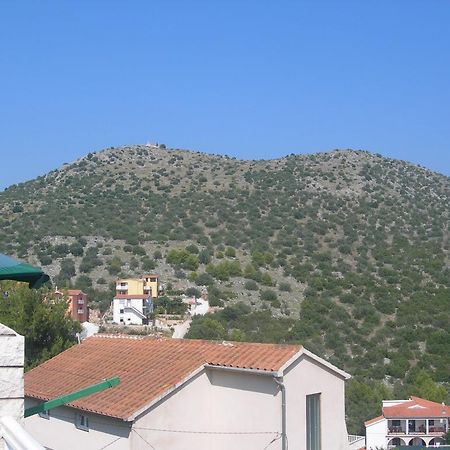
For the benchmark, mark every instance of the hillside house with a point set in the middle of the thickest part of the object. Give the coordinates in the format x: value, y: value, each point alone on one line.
x: 77, y: 304
x: 189, y: 394
x: 408, y: 422
x: 148, y: 285
x: 132, y: 309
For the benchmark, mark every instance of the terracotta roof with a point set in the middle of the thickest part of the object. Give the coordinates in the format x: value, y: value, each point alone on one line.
x: 374, y: 420
x: 148, y: 369
x: 416, y: 407
x: 132, y: 296
x: 75, y: 292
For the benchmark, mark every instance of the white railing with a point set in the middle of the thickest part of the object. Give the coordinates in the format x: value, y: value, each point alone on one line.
x: 353, y: 438
x: 15, y: 437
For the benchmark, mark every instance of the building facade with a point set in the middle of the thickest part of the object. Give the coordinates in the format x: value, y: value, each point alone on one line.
x: 132, y: 309
x: 77, y: 303
x: 415, y: 421
x: 146, y: 285
x: 184, y: 394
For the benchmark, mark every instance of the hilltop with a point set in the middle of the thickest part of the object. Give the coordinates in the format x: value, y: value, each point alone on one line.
x: 345, y: 251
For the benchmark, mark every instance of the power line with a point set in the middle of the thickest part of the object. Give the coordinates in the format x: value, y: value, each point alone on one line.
x: 112, y: 442
x: 165, y: 430
x: 272, y: 441
x: 148, y: 443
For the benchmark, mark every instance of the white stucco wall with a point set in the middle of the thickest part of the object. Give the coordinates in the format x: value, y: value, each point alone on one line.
x: 129, y: 317
x: 60, y: 433
x: 376, y: 435
x: 12, y: 351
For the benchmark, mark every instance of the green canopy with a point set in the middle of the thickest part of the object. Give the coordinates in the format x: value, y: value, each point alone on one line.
x: 10, y: 269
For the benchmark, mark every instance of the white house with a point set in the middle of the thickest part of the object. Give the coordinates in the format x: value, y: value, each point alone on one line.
x: 415, y: 421
x: 197, y: 306
x: 132, y: 309
x: 190, y: 394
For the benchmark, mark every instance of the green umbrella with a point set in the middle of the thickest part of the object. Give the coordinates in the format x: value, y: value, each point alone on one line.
x: 10, y: 269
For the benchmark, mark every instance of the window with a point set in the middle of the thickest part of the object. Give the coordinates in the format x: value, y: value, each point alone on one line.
x: 396, y: 423
x: 313, y: 431
x: 45, y: 414
x: 82, y: 422
x: 121, y: 311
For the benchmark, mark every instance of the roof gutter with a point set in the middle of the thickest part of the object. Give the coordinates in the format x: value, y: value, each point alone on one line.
x: 279, y: 381
x: 270, y: 373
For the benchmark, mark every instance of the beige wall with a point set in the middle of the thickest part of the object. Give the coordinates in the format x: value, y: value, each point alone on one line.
x: 306, y: 377
x: 215, y: 410
x: 60, y: 433
x: 215, y: 401
x: 225, y: 401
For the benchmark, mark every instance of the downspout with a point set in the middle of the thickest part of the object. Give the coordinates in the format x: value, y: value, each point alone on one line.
x: 279, y: 381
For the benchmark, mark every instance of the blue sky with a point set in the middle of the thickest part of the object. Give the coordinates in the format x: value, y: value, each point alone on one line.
x: 253, y: 79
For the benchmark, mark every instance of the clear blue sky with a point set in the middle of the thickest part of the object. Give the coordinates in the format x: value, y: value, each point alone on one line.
x: 253, y: 79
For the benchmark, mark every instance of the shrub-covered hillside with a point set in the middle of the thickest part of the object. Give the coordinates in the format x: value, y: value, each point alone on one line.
x: 345, y: 251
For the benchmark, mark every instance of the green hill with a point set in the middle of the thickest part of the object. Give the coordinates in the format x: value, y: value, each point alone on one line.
x: 345, y: 251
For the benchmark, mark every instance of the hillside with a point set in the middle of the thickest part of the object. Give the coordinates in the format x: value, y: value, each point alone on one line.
x: 354, y: 245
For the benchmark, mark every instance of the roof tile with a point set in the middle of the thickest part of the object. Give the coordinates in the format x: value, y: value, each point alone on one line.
x: 147, y: 368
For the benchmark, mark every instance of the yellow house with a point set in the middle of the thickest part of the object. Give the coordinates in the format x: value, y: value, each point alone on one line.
x: 148, y: 284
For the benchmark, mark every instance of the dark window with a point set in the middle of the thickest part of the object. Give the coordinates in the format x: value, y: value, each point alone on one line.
x: 313, y: 429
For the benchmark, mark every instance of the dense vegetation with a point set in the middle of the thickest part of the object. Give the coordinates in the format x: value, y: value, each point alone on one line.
x: 40, y: 317
x: 346, y: 252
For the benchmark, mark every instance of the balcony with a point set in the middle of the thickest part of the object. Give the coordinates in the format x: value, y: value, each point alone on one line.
x: 122, y: 287
x: 417, y: 427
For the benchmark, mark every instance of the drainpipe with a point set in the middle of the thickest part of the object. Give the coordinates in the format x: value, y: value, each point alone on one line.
x: 279, y: 381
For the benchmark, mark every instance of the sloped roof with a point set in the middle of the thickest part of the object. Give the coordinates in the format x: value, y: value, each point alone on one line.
x: 374, y: 420
x: 416, y: 407
x: 148, y: 369
x: 74, y: 292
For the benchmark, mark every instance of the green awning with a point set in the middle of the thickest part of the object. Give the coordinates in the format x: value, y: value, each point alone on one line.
x: 10, y: 269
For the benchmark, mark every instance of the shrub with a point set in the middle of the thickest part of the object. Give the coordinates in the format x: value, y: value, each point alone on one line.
x: 251, y: 285
x: 284, y: 286
x: 268, y: 295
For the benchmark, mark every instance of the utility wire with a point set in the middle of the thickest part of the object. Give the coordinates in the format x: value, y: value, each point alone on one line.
x: 112, y: 442
x: 148, y: 443
x: 207, y: 432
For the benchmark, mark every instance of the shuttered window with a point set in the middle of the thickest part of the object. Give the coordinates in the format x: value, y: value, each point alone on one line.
x: 313, y: 430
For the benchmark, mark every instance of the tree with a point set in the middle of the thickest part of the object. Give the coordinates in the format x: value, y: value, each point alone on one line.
x: 40, y: 317
x: 204, y: 327
x: 193, y: 292
x: 426, y: 388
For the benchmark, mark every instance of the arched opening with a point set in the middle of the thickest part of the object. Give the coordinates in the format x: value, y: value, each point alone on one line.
x: 436, y: 441
x: 396, y: 441
x: 417, y: 441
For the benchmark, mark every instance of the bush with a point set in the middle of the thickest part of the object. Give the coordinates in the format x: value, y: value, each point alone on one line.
x: 251, y: 285
x: 284, y: 286
x: 193, y: 292
x: 268, y: 295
